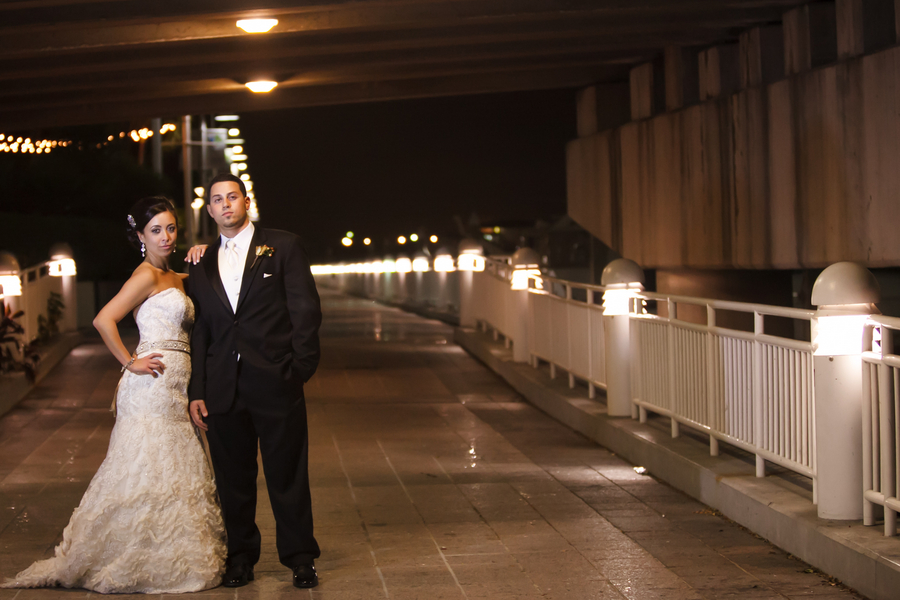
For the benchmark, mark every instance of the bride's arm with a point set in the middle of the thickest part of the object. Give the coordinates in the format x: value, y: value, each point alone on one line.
x: 137, y: 289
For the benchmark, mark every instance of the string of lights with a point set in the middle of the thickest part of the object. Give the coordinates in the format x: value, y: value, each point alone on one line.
x: 25, y: 145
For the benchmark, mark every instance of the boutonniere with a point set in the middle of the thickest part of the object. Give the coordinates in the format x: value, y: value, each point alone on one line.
x: 262, y: 251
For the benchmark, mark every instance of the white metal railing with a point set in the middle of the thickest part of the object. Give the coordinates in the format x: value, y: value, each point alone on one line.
x: 881, y: 405
x: 747, y: 388
x: 493, y: 300
x: 567, y: 332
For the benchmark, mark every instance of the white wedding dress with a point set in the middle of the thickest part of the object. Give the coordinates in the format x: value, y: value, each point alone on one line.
x: 149, y: 521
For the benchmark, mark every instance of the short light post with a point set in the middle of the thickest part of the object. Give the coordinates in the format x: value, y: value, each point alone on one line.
x: 622, y: 279
x: 526, y: 266
x: 845, y: 295
x: 62, y: 265
x: 470, y: 260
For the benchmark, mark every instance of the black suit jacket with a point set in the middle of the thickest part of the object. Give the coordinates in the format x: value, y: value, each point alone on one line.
x: 275, y: 328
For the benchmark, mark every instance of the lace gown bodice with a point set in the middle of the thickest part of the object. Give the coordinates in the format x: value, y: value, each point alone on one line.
x: 149, y: 521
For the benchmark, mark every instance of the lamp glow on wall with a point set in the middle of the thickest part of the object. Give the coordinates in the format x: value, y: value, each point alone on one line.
x: 261, y: 86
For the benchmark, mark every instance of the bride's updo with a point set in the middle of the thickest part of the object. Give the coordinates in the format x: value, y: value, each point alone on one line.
x: 143, y: 212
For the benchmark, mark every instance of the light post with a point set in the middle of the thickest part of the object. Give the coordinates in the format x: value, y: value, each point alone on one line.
x: 622, y: 279
x: 10, y: 282
x: 526, y: 266
x: 63, y: 265
x: 470, y: 259
x: 845, y: 295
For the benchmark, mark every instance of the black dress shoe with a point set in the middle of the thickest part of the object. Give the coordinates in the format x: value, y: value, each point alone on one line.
x: 237, y: 575
x: 305, y: 576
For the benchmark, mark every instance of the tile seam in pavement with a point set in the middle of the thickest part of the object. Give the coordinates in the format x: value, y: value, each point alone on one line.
x: 430, y: 534
x: 362, y: 521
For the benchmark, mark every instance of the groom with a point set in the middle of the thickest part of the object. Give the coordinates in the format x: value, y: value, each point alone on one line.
x: 255, y: 343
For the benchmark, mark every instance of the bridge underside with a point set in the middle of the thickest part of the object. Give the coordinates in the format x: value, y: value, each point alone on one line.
x: 87, y: 61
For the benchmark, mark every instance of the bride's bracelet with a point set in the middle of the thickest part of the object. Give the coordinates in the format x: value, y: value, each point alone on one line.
x: 129, y: 363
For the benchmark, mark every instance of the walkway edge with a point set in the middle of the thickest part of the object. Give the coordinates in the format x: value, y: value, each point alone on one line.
x: 861, y: 557
x: 15, y: 386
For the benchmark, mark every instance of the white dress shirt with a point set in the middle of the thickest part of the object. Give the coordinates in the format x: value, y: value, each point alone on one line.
x: 232, y: 276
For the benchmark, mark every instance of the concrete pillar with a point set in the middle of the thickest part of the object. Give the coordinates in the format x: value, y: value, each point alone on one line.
x: 761, y: 56
x: 641, y: 80
x: 810, y: 37
x: 845, y: 294
x: 849, y: 22
x: 719, y: 73
x: 621, y: 277
x: 680, y: 74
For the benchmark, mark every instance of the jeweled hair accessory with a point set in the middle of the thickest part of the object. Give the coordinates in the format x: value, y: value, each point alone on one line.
x: 131, y: 222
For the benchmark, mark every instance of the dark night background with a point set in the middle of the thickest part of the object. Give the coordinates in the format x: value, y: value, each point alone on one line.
x: 380, y: 170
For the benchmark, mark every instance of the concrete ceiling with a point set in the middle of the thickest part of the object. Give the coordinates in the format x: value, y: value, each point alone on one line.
x: 66, y: 62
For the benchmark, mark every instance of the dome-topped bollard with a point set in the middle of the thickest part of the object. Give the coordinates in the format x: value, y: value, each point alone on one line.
x: 845, y: 295
x: 469, y: 261
x: 622, y: 278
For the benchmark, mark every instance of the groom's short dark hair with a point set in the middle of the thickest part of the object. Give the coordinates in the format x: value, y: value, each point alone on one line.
x: 225, y: 177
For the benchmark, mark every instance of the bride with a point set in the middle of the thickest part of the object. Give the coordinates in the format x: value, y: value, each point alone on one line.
x: 149, y: 521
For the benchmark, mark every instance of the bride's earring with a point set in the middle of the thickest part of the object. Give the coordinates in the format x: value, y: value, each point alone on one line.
x: 143, y: 249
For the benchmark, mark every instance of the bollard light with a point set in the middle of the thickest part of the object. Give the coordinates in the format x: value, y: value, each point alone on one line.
x: 367, y: 241
x: 10, y: 284
x: 61, y: 263
x: 403, y: 265
x: 845, y: 294
x: 420, y: 264
x: 443, y: 263
x: 257, y: 25
x: 623, y: 279
x: 526, y: 266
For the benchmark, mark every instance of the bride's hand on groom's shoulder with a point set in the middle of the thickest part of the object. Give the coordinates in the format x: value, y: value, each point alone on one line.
x: 195, y: 254
x: 148, y: 365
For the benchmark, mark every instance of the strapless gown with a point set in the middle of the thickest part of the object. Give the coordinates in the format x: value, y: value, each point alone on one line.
x: 149, y: 521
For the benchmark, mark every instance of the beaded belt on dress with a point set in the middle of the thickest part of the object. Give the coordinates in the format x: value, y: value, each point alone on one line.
x: 163, y: 345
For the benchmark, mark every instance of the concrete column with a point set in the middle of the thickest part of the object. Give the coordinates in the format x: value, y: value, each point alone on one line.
x: 680, y: 76
x: 761, y: 56
x: 719, y: 73
x: 849, y: 21
x: 845, y: 294
x: 586, y: 111
x: 156, y: 146
x: 810, y: 37
x: 641, y: 80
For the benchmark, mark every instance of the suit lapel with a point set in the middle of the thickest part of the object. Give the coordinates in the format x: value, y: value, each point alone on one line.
x: 251, y: 264
x: 211, y: 264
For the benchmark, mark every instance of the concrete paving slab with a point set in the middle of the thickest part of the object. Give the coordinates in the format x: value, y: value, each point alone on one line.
x: 431, y: 478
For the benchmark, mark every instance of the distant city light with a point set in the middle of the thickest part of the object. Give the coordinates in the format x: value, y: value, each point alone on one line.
x: 347, y: 242
x: 197, y: 204
x: 350, y: 234
x: 257, y: 25
x: 401, y: 240
x: 234, y: 131
x: 433, y: 239
x: 200, y: 191
x: 237, y: 149
x: 414, y: 237
x: 367, y: 241
x: 245, y: 177
x: 496, y: 230
x: 241, y: 166
x: 260, y: 87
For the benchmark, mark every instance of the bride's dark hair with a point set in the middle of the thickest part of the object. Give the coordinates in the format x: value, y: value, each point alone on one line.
x: 143, y: 212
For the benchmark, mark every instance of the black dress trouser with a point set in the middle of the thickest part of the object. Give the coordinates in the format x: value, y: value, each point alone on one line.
x: 282, y: 437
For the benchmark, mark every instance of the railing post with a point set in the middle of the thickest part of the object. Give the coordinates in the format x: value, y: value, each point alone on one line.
x: 845, y: 294
x: 622, y: 278
x: 672, y: 313
x: 886, y: 424
x: 759, y: 437
x: 711, y: 391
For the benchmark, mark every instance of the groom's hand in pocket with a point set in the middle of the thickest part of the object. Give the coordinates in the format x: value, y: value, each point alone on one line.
x: 198, y: 411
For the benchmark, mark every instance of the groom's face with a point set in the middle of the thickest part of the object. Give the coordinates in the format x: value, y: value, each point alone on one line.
x: 228, y: 206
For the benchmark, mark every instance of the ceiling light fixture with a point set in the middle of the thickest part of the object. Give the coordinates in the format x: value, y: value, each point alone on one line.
x: 261, y: 87
x: 257, y: 25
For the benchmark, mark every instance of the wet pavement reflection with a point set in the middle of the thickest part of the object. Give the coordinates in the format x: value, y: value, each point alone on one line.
x: 431, y: 479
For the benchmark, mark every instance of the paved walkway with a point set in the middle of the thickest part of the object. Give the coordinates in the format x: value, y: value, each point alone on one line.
x: 431, y: 480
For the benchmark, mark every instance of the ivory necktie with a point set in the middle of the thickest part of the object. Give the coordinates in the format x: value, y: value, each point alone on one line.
x: 231, y: 256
